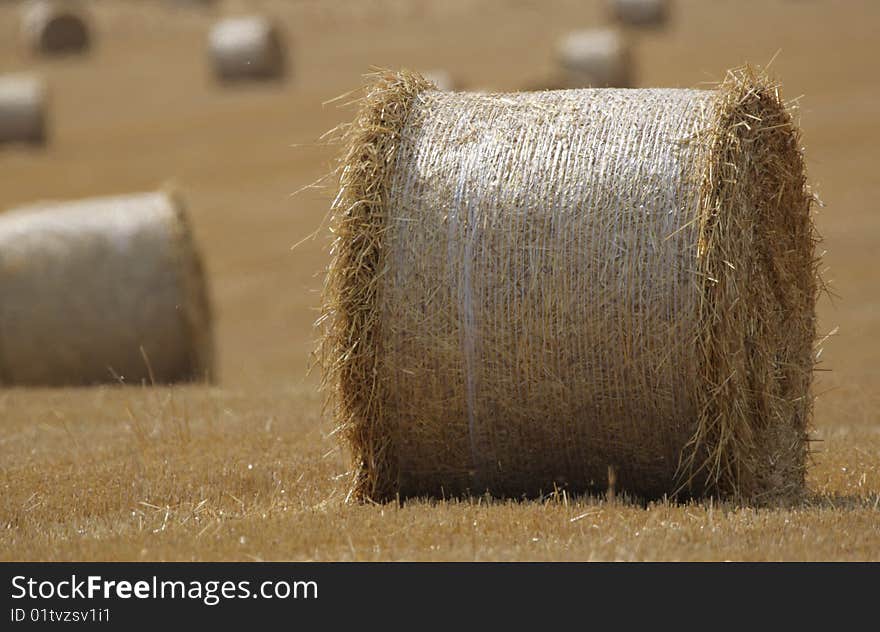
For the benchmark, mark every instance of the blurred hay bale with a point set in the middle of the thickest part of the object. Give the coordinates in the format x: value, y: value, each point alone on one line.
x: 192, y: 3
x: 22, y: 109
x: 249, y: 47
x: 530, y: 290
x: 54, y: 28
x: 440, y: 78
x: 653, y: 13
x: 102, y: 289
x: 598, y: 58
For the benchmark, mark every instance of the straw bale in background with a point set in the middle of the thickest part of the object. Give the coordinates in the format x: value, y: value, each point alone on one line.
x: 102, y: 289
x: 51, y: 27
x: 640, y: 12
x: 440, y: 78
x: 248, y: 47
x: 22, y: 109
x: 598, y: 58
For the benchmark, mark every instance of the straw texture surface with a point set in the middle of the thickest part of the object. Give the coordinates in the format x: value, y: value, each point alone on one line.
x: 532, y: 290
x: 101, y: 290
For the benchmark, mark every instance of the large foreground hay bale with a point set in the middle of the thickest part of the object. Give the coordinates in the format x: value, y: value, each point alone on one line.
x: 653, y: 13
x: 247, y: 47
x: 597, y: 58
x: 54, y: 28
x: 535, y: 289
x: 22, y: 109
x: 102, y: 289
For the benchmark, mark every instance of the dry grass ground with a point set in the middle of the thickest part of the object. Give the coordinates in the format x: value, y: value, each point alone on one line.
x: 247, y: 469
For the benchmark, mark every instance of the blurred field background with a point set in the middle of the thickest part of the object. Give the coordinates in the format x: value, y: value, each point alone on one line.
x: 247, y: 469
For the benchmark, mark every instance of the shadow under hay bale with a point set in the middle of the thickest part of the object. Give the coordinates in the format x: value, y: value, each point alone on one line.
x: 595, y: 58
x: 54, y: 28
x: 22, y: 109
x: 102, y: 290
x: 643, y: 13
x: 247, y: 48
x: 528, y: 289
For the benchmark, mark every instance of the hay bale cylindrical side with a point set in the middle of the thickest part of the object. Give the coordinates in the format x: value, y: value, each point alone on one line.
x: 651, y: 13
x: 54, y: 28
x: 249, y: 47
x: 532, y: 290
x: 102, y: 290
x: 22, y: 109
x: 595, y: 58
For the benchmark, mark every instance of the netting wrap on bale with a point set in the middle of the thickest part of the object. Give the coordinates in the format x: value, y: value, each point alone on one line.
x: 531, y: 290
x: 101, y: 290
x: 22, y: 109
x: 54, y: 27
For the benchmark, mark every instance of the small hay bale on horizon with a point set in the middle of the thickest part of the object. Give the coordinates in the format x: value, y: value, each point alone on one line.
x: 102, y: 290
x: 643, y: 13
x: 55, y: 28
x: 528, y: 291
x: 23, y: 109
x: 595, y: 58
x: 192, y: 4
x: 247, y: 48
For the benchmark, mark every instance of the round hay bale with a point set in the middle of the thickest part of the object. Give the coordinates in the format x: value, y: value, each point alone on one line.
x: 101, y: 290
x: 532, y: 290
x: 440, y: 78
x: 54, y: 28
x: 192, y: 3
x: 248, y: 47
x: 653, y: 13
x: 22, y: 109
x: 598, y: 58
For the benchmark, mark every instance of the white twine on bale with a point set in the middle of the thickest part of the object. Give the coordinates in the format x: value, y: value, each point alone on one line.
x: 596, y: 58
x: 247, y: 47
x: 102, y: 290
x: 22, y: 108
x: 52, y: 27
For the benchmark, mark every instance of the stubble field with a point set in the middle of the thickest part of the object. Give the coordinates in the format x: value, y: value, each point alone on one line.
x: 247, y: 468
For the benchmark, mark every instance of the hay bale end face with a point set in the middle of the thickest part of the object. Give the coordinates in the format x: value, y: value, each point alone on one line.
x: 54, y: 28
x: 651, y: 13
x: 102, y: 290
x: 597, y: 58
x: 22, y: 109
x: 531, y: 290
x: 247, y: 48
